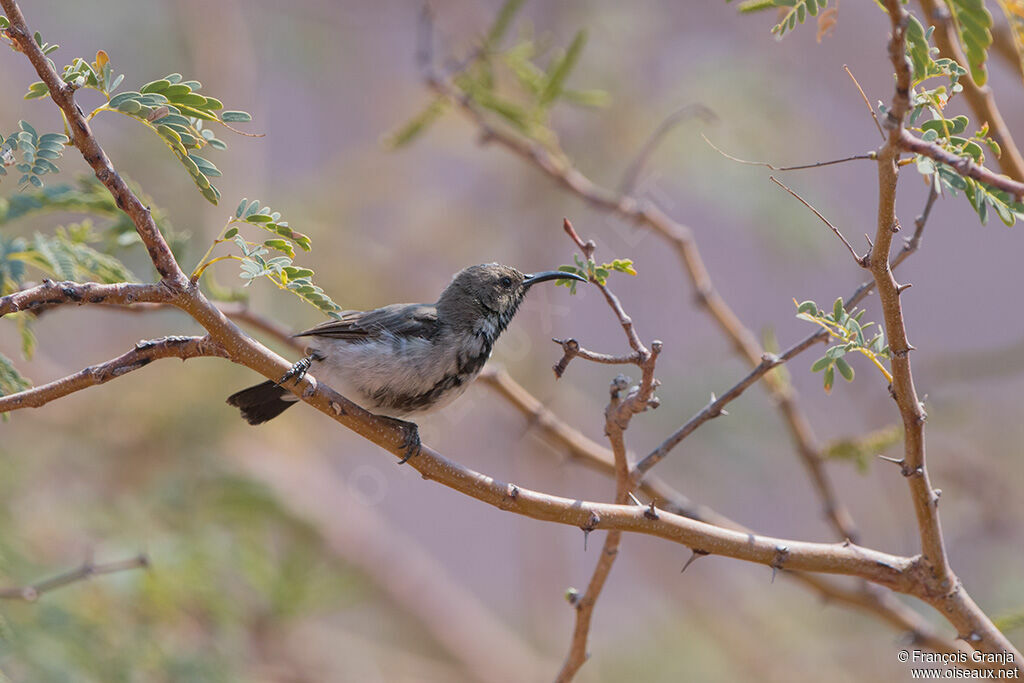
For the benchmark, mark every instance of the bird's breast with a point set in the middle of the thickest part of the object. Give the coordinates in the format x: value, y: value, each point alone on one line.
x: 398, y: 376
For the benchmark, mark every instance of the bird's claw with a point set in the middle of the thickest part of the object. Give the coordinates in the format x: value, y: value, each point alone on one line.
x: 297, y: 371
x: 411, y: 444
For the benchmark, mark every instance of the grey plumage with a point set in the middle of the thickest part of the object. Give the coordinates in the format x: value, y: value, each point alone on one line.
x: 406, y: 359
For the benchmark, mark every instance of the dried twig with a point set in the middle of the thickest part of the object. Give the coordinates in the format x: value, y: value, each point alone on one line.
x: 861, y: 260
x: 867, y: 102
x: 86, y: 570
x: 817, y: 164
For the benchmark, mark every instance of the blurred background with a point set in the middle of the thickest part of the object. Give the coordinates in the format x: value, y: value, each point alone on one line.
x: 298, y: 552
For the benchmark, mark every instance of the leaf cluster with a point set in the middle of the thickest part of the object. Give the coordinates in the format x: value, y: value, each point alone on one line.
x: 791, y: 12
x: 593, y: 272
x: 33, y: 155
x: 950, y: 133
x: 862, y: 450
x: 846, y: 328
x: 254, y: 259
x: 174, y: 109
x: 519, y: 84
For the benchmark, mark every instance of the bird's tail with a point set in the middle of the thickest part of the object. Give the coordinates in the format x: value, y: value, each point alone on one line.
x: 261, y: 402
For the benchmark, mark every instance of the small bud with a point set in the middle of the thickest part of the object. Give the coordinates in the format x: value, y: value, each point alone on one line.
x: 572, y: 596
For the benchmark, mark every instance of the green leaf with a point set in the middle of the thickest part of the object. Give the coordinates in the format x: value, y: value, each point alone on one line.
x: 280, y: 245
x: 837, y: 310
x: 830, y: 377
x: 413, y: 128
x: 808, y: 307
x: 502, y: 22
x: 750, y: 6
x: 231, y: 232
x: 159, y: 85
x: 973, y: 23
x: 37, y: 89
x: 11, y: 381
x: 235, y: 116
x: 844, y: 369
x: 821, y: 364
x: 561, y: 68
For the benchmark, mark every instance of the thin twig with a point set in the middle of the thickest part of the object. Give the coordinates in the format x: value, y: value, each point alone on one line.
x: 716, y: 406
x: 818, y: 164
x: 861, y: 260
x: 867, y: 102
x: 86, y: 570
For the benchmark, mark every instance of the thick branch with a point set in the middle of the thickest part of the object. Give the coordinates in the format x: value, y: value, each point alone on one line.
x: 51, y: 293
x: 142, y: 355
x: 940, y: 586
x: 81, y: 135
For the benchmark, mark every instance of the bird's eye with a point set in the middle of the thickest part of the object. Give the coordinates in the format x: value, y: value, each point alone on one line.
x: 505, y: 282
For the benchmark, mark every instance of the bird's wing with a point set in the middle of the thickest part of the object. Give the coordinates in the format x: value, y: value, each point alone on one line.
x: 407, y: 320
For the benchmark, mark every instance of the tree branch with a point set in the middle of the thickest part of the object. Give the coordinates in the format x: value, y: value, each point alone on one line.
x: 980, y: 99
x: 866, y: 597
x: 681, y: 238
x: 85, y: 571
x: 941, y: 586
x: 81, y: 135
x: 618, y: 414
x: 716, y: 407
x: 142, y: 355
x: 51, y: 293
x: 861, y: 260
x: 964, y: 165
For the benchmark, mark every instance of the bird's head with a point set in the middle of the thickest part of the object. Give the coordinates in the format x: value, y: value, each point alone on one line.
x: 488, y: 295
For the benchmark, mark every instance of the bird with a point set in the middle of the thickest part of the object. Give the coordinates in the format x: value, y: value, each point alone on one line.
x: 405, y: 359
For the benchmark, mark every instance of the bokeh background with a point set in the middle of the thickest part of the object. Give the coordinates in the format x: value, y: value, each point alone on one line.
x: 298, y: 552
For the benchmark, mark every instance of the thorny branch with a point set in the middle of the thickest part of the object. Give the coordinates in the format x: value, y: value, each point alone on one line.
x: 912, y: 575
x: 864, y: 596
x: 681, y: 238
x: 937, y: 578
x: 621, y: 408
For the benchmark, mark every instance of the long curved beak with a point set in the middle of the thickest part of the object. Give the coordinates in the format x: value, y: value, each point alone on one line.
x: 534, y: 278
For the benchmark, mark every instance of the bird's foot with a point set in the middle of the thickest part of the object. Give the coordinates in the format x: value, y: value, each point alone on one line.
x: 299, y: 369
x: 411, y: 444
